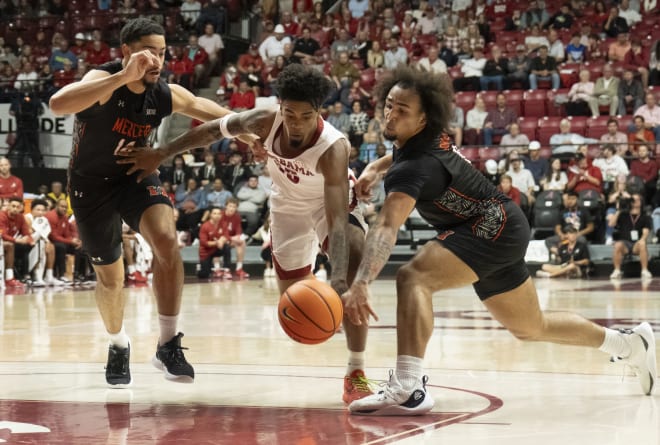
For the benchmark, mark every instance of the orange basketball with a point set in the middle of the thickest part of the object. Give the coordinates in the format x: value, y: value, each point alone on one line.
x: 310, y: 311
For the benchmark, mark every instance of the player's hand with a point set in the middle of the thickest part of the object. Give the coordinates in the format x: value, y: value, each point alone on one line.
x: 139, y: 64
x: 364, y: 185
x: 357, y: 307
x: 145, y: 159
x: 253, y: 141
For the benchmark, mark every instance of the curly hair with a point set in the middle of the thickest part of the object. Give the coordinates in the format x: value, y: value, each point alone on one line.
x: 135, y: 29
x: 434, y: 90
x: 304, y: 84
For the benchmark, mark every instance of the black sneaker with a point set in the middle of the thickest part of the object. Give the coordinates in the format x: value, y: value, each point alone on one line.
x: 170, y: 359
x: 117, y: 371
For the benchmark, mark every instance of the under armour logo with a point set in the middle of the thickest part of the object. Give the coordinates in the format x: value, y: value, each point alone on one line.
x: 96, y: 259
x: 121, y: 104
x: 150, y: 112
x: 77, y: 194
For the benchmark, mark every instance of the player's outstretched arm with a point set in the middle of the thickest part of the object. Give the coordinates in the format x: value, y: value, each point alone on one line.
x: 97, y: 86
x: 200, y: 108
x: 334, y: 167
x: 370, y: 176
x: 380, y: 241
x: 252, y: 122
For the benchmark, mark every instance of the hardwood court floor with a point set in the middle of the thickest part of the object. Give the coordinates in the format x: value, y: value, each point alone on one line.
x: 256, y: 386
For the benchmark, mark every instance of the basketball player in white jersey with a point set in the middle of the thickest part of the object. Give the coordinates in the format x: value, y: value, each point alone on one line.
x: 308, y: 161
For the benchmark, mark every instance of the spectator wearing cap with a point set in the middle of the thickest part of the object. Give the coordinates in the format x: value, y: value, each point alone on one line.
x: 537, y: 165
x: 251, y: 57
x: 518, y: 69
x: 472, y: 70
x: 273, y: 46
x: 213, y: 45
x: 79, y: 47
x: 515, y: 140
x: 572, y: 255
x: 491, y: 172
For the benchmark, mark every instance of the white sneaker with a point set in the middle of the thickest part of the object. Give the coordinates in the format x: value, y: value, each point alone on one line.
x: 616, y: 274
x: 55, y: 282
x: 38, y: 283
x: 642, y: 357
x: 542, y: 274
x: 646, y: 275
x: 321, y: 275
x: 395, y: 401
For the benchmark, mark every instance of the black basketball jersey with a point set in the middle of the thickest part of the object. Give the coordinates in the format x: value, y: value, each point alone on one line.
x: 448, y: 190
x: 99, y: 130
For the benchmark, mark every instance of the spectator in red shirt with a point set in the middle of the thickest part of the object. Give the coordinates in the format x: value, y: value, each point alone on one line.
x: 198, y: 58
x: 16, y: 239
x: 214, y: 243
x: 243, y: 99
x: 181, y: 69
x: 10, y: 185
x: 583, y: 176
x: 647, y: 169
x: 506, y: 187
x: 64, y: 237
x: 252, y: 57
x: 97, y: 54
x: 231, y: 219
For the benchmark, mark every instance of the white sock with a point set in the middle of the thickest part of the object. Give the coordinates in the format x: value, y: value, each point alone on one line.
x: 167, y: 327
x: 239, y: 265
x: 9, y: 274
x: 131, y: 268
x: 120, y: 338
x: 616, y: 344
x: 49, y: 274
x: 355, y: 361
x: 409, y: 370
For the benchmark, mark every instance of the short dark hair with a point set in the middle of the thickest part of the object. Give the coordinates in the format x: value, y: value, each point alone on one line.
x: 39, y: 202
x: 434, y: 90
x: 135, y: 29
x: 15, y: 199
x: 303, y: 84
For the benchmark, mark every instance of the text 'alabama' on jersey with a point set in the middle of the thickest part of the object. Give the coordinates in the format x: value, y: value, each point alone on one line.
x: 99, y: 129
x: 448, y: 190
x: 297, y: 184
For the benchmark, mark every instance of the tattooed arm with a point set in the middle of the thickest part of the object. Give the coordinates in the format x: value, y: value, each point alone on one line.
x: 334, y: 167
x: 380, y: 242
x: 253, y: 122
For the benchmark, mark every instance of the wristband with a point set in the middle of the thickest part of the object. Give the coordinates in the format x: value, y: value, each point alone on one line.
x: 223, y: 128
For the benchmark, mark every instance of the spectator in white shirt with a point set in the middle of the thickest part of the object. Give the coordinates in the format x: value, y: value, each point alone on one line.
x: 472, y: 70
x: 521, y: 178
x: 432, y: 63
x: 430, y: 23
x: 535, y: 39
x: 514, y: 140
x: 190, y: 12
x: 27, y: 79
x: 273, y: 46
x: 358, y: 7
x: 632, y: 17
x: 213, y: 45
x: 395, y: 55
x: 556, y: 46
x: 567, y: 142
x: 611, y: 165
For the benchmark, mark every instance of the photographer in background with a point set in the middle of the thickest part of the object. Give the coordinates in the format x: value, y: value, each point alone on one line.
x: 632, y: 226
x: 26, y: 109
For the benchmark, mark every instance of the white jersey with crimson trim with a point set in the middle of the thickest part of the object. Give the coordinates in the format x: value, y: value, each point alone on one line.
x: 297, y: 184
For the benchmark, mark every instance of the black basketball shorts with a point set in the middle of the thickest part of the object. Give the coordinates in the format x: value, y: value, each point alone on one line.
x: 499, y: 263
x: 100, y: 205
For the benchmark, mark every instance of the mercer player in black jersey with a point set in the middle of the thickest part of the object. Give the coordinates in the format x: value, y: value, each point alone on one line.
x: 482, y: 239
x: 121, y: 104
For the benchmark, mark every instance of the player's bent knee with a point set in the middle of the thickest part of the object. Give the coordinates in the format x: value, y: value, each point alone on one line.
x: 527, y: 332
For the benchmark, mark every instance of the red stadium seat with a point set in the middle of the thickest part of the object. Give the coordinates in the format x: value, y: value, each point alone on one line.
x: 568, y: 73
x: 578, y: 124
x: 548, y: 126
x: 465, y: 99
x: 486, y: 153
x: 534, y: 103
x: 552, y: 109
x: 472, y: 155
x: 528, y: 126
x: 596, y: 127
x: 368, y: 78
x: 624, y: 122
x: 489, y: 98
x: 545, y: 152
x: 514, y: 100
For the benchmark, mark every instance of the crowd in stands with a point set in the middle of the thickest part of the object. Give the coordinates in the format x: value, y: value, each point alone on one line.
x: 552, y: 99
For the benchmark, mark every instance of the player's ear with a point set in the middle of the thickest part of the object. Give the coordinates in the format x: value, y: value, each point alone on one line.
x: 125, y: 51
